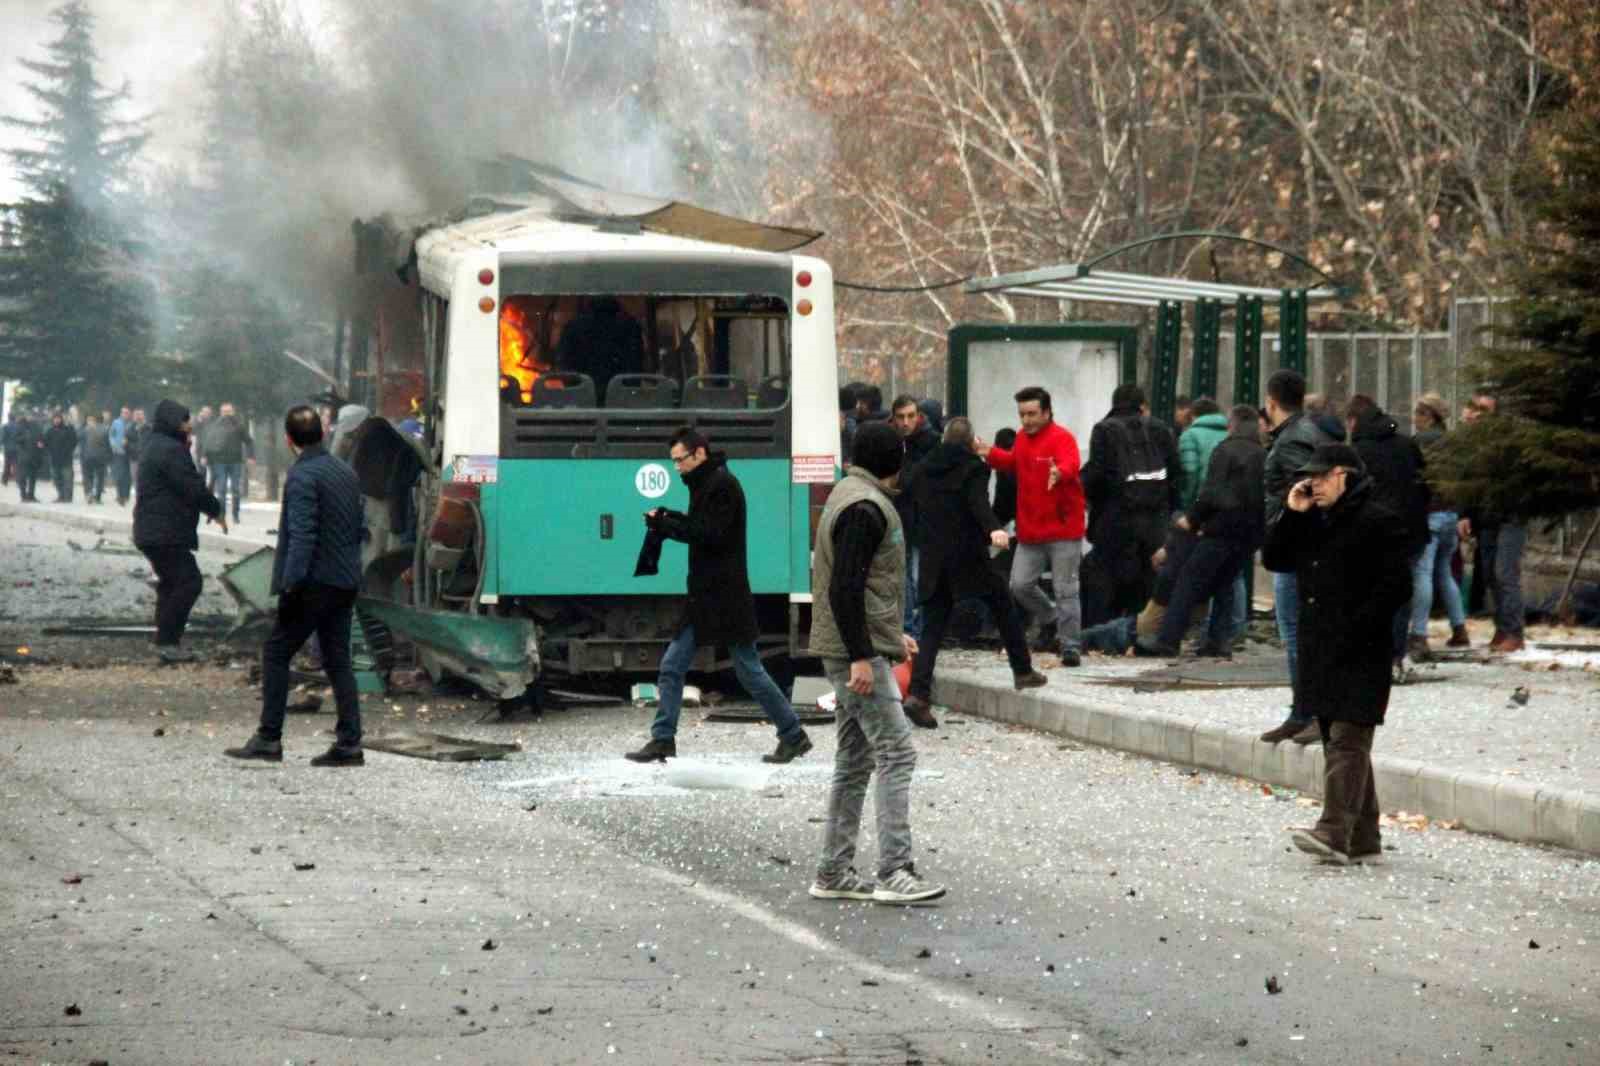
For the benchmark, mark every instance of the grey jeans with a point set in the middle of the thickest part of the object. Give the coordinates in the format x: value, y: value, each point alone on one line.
x: 1061, y: 557
x: 873, y: 735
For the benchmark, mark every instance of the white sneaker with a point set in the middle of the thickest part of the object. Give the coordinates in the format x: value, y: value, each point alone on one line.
x: 906, y: 886
x: 848, y: 885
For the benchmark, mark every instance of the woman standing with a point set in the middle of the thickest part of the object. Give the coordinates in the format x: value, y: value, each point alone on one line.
x: 170, y: 495
x: 1432, y: 568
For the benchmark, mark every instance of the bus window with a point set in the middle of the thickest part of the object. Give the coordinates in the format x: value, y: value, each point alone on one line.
x: 654, y: 351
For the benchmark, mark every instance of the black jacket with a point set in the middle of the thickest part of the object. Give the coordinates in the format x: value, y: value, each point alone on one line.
x: 60, y: 441
x: 1394, y: 462
x: 721, y: 606
x: 31, y: 453
x: 1103, y: 480
x: 171, y: 492
x: 322, y: 524
x: 227, y: 442
x: 1292, y: 444
x: 950, y: 494
x: 1354, y: 571
x: 918, y: 447
x: 1229, y: 505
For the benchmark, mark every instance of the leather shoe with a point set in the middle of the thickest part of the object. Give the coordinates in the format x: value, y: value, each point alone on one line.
x: 1070, y: 656
x: 1506, y: 643
x: 1311, y: 734
x: 789, y: 750
x: 337, y: 756
x: 920, y: 712
x: 1031, y: 679
x: 1459, y: 638
x: 1287, y: 730
x: 257, y: 748
x: 655, y: 750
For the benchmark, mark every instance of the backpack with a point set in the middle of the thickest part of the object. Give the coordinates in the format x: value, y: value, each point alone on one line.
x: 1141, y: 467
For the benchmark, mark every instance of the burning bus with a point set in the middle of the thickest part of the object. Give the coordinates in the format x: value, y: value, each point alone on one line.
x: 559, y: 336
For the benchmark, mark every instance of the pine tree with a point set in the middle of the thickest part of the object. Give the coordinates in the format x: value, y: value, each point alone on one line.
x: 74, y: 299
x: 1539, y: 456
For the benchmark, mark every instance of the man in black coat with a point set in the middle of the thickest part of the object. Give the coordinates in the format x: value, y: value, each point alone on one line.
x: 31, y: 458
x: 1351, y: 556
x: 721, y: 609
x: 918, y: 441
x: 1395, y: 463
x: 61, y: 441
x: 316, y: 574
x: 170, y: 496
x: 1227, y: 521
x: 1132, y: 483
x: 949, y: 493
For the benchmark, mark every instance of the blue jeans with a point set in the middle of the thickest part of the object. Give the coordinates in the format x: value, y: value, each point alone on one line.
x: 1502, y: 552
x: 746, y: 665
x: 229, y: 474
x: 1432, y: 573
x: 913, y: 621
x: 1223, y: 632
x: 1286, y: 605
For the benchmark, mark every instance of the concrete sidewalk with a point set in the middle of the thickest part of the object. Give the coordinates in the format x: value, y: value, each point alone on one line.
x: 1455, y: 748
x: 256, y: 530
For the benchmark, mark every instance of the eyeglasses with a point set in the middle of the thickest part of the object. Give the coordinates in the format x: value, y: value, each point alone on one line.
x: 679, y: 460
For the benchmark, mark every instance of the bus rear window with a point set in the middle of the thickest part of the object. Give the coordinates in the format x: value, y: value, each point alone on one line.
x: 644, y: 351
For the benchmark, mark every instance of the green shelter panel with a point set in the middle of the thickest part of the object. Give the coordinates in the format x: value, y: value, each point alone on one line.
x: 1247, y: 351
x: 1164, y: 375
x: 573, y: 527
x: 1207, y: 342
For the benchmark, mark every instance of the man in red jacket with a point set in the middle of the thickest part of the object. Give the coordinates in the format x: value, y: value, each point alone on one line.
x: 1050, y: 520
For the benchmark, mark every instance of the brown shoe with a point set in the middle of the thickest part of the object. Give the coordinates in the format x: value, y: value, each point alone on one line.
x: 1417, y: 648
x: 1311, y: 734
x: 1312, y: 843
x: 920, y: 712
x: 1288, y: 730
x: 1459, y: 638
x: 1506, y: 643
x: 1031, y: 679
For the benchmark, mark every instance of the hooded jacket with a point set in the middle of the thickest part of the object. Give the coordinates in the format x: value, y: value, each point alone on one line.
x: 1395, y: 464
x: 1194, y: 452
x: 1044, y: 515
x: 171, y: 492
x: 949, y: 492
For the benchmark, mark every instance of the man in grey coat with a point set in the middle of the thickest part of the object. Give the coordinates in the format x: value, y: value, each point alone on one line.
x: 858, y: 581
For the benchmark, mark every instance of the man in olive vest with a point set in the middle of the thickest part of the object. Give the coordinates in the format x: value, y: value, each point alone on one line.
x: 858, y: 578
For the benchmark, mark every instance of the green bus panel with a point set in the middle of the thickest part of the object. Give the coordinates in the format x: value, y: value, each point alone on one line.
x: 551, y: 518
x: 800, y: 538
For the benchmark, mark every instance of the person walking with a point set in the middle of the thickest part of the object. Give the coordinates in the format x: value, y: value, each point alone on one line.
x: 1227, y: 521
x: 61, y: 442
x: 721, y: 608
x: 858, y: 578
x: 1395, y: 464
x: 1432, y: 572
x: 139, y: 432
x: 1050, y: 521
x: 919, y: 441
x: 31, y: 458
x: 1294, y: 437
x: 121, y: 462
x: 228, y: 447
x: 1501, y: 540
x: 949, y: 494
x: 1131, y: 481
x: 170, y: 497
x: 96, y: 457
x: 8, y: 447
x: 1351, y: 555
x: 316, y: 574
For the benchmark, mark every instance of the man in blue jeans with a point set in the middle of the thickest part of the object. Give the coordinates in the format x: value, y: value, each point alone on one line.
x: 721, y: 610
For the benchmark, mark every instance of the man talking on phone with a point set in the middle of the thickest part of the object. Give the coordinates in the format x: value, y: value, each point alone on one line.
x: 1351, y: 556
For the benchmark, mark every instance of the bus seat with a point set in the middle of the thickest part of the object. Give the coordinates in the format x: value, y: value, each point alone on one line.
x: 559, y: 388
x: 641, y: 391
x: 715, y: 391
x: 773, y: 392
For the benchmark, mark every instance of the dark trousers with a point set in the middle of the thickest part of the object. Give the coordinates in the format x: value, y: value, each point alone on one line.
x: 1209, y: 571
x: 936, y: 620
x: 94, y: 479
x: 63, y: 476
x: 9, y: 471
x: 327, y: 612
x: 178, y: 587
x: 122, y: 474
x: 1130, y: 576
x: 1349, y: 791
x: 28, y: 481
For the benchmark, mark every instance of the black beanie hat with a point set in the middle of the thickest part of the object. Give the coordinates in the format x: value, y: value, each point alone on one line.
x: 877, y: 449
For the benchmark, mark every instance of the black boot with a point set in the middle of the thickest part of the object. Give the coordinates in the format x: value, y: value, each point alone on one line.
x: 920, y: 711
x: 257, y: 748
x: 790, y: 750
x: 655, y: 751
x: 337, y: 756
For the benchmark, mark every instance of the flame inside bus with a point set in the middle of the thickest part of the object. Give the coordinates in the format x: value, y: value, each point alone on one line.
x: 520, y: 361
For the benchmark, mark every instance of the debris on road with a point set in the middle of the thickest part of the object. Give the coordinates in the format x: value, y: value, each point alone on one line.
x: 441, y: 748
x: 8, y: 675
x: 305, y: 866
x: 73, y: 1010
x: 72, y: 879
x: 1273, y: 987
x: 1520, y: 696
x: 489, y: 945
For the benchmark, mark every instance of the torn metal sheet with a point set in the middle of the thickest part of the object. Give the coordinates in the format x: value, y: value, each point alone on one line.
x: 809, y: 714
x: 440, y: 748
x: 499, y: 655
x: 249, y: 582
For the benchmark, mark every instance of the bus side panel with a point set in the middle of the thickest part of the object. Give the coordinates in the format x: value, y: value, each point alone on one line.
x: 574, y: 527
x: 799, y: 539
x: 488, y: 500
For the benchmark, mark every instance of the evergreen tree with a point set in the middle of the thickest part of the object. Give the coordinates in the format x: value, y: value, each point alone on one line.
x: 74, y: 299
x: 1539, y: 456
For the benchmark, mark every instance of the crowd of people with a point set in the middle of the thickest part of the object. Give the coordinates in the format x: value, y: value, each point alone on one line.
x: 67, y: 446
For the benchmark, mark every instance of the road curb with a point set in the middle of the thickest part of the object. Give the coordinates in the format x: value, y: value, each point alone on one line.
x: 116, y: 524
x: 1515, y: 810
